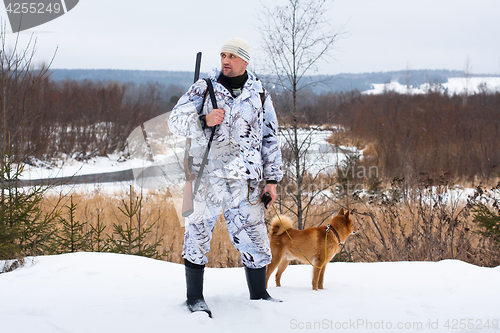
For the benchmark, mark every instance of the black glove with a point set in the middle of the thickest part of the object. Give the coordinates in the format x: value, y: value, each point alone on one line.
x: 266, y: 199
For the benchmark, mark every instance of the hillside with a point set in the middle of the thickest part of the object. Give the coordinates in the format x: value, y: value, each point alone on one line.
x: 183, y: 79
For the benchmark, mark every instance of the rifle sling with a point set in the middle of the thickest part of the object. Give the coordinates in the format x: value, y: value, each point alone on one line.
x: 210, y: 89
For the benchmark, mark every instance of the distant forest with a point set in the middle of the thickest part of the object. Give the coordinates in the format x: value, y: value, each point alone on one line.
x: 332, y: 83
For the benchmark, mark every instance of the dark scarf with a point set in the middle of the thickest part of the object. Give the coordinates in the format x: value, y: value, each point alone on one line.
x: 234, y: 84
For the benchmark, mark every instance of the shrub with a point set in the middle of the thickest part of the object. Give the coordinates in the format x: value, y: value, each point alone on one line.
x: 489, y: 219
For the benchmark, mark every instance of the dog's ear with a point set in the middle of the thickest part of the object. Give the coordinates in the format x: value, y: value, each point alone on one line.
x: 341, y: 211
x: 346, y: 216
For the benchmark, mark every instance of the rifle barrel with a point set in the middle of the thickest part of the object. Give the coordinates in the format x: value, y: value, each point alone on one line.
x: 197, y: 67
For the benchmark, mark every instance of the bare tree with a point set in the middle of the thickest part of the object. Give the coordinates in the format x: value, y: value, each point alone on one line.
x: 408, y: 79
x: 296, y: 38
x: 467, y: 78
x: 24, y: 229
x: 18, y: 79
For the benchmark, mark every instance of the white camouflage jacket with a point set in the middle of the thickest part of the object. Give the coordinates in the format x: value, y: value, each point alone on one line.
x: 245, y: 145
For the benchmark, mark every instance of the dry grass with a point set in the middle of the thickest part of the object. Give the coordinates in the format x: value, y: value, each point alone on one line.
x: 423, y: 223
x: 389, y: 230
x: 158, y: 208
x: 427, y: 226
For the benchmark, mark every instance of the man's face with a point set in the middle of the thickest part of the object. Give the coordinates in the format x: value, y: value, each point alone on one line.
x: 232, y: 65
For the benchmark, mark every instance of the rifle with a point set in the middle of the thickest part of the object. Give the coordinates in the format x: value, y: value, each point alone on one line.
x: 187, y: 201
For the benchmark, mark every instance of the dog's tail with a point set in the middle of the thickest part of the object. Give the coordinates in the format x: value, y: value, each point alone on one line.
x: 278, y: 227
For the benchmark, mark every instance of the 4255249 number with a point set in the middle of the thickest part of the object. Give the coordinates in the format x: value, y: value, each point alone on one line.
x: 471, y: 324
x: 33, y: 8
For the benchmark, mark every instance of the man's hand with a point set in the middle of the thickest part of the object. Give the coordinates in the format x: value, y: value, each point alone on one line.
x: 271, y: 189
x: 215, y: 117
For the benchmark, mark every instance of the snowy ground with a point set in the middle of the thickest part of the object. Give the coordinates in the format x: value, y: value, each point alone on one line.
x: 90, y: 292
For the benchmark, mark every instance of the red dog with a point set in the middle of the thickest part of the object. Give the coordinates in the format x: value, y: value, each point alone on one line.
x: 310, y: 241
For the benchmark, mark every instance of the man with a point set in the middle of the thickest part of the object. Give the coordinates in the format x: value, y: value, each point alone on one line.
x: 244, y: 152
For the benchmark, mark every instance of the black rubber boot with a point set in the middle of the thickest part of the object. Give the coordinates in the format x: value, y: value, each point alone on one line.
x: 256, y: 280
x: 194, y: 288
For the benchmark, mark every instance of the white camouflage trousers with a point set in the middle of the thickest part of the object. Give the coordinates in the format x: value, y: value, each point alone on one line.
x: 245, y: 222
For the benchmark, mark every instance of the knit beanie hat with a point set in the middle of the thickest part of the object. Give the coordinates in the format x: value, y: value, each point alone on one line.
x: 239, y: 47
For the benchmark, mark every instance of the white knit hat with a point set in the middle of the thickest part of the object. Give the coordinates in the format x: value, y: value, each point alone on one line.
x: 237, y: 46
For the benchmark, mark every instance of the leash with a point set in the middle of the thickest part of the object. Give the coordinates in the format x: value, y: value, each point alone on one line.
x: 293, y: 242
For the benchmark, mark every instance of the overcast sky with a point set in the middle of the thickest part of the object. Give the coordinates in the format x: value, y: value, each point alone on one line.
x: 382, y: 35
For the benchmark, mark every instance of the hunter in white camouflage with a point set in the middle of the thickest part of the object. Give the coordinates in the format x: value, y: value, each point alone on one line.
x: 244, y: 152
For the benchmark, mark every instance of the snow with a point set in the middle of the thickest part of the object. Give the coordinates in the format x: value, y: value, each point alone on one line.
x: 455, y: 85
x: 66, y: 167
x: 102, y: 292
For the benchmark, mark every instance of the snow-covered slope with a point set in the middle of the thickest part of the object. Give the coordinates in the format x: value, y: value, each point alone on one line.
x: 455, y: 85
x: 93, y: 293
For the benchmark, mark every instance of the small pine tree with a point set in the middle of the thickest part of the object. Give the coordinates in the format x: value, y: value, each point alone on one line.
x: 129, y: 239
x: 10, y: 229
x: 71, y: 237
x: 24, y: 229
x: 96, y: 237
x: 489, y: 221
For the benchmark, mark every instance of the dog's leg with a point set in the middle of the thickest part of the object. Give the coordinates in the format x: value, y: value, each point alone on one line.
x: 315, y: 280
x: 321, y: 277
x: 272, y: 266
x: 281, y: 268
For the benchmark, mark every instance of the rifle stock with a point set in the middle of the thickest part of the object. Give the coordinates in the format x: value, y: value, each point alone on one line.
x: 187, y: 199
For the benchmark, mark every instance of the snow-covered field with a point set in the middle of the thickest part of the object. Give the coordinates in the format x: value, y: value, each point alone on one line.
x: 96, y: 292
x: 454, y: 85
